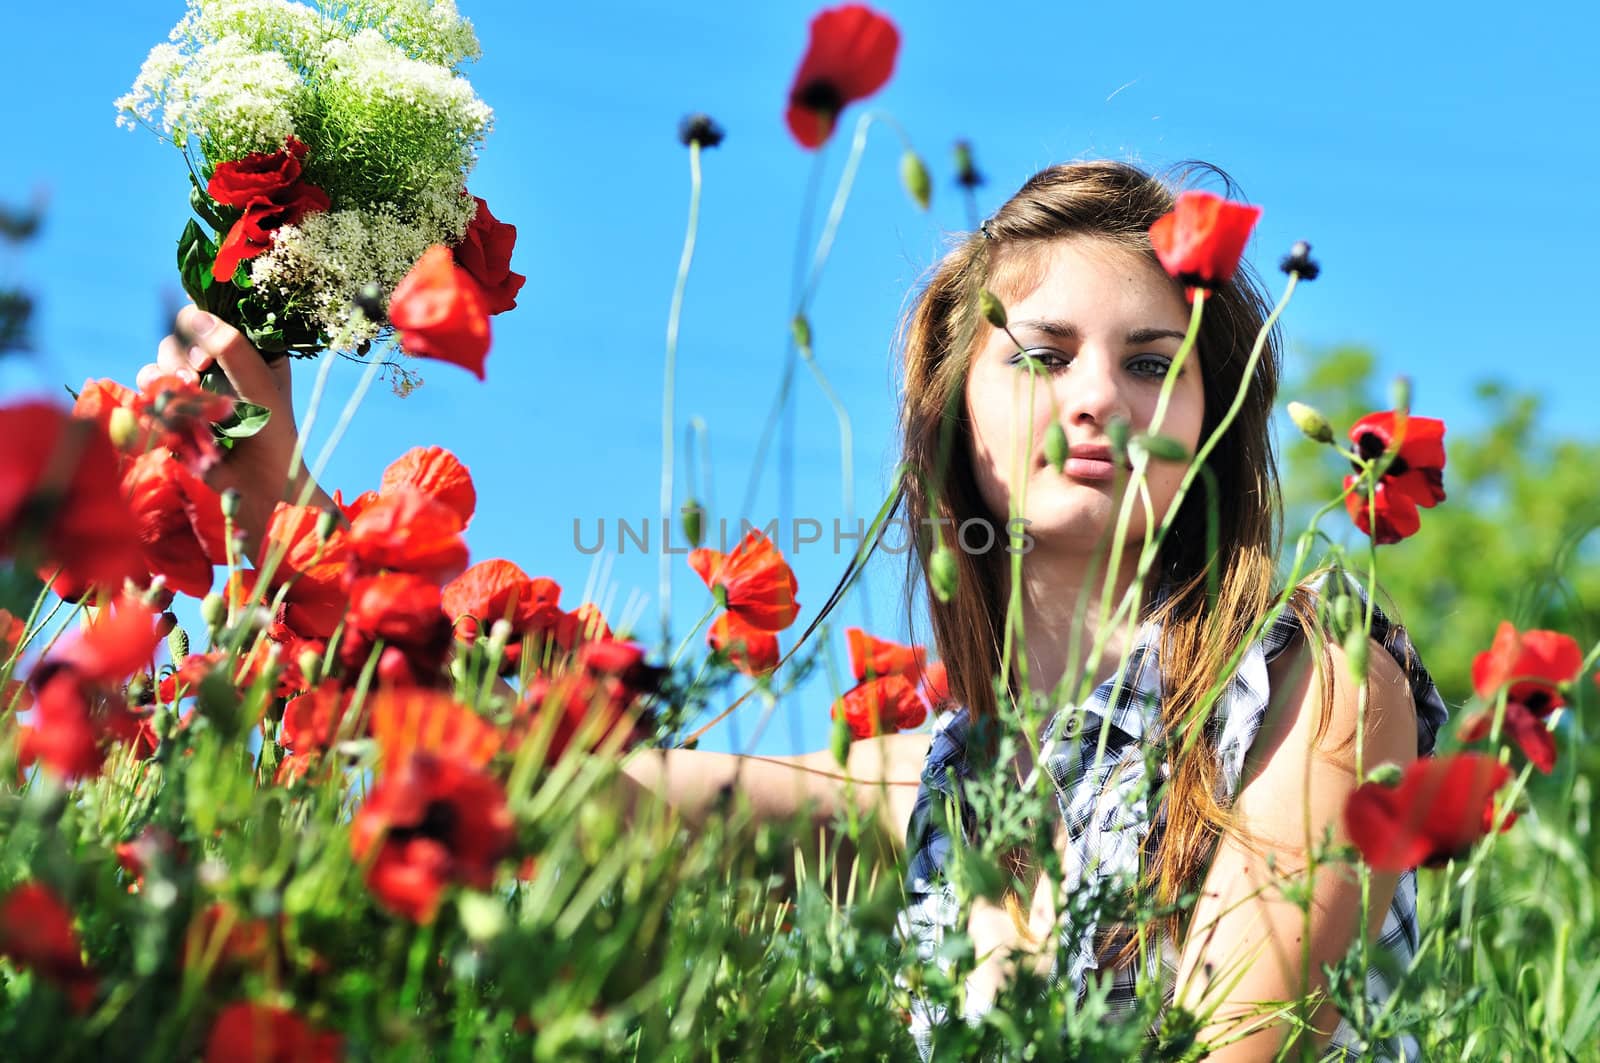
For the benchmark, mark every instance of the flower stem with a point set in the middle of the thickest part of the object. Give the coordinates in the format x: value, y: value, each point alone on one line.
x: 669, y: 375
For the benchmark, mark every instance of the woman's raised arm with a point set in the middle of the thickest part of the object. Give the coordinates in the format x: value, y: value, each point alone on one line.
x: 257, y: 467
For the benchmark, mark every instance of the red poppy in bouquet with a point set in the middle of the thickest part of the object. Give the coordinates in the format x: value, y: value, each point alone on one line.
x: 440, y: 312
x: 79, y: 704
x: 850, y: 56
x: 496, y: 590
x: 1201, y: 240
x: 431, y: 822
x: 36, y: 933
x: 268, y: 190
x: 252, y: 1032
x: 61, y: 503
x: 1533, y: 669
x: 485, y: 253
x: 406, y: 613
x: 602, y: 703
x: 1414, y: 477
x: 1440, y: 809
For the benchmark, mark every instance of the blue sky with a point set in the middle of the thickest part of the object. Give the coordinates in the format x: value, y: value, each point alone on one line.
x: 1439, y: 157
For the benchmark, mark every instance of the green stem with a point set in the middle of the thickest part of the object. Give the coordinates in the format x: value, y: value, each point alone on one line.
x: 674, y: 316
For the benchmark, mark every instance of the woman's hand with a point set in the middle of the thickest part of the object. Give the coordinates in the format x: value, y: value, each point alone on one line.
x: 257, y: 467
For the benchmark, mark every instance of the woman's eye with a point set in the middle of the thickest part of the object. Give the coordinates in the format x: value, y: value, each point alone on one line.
x: 1044, y: 359
x: 1155, y: 365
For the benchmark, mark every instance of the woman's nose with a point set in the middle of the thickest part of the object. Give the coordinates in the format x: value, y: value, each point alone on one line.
x: 1091, y: 392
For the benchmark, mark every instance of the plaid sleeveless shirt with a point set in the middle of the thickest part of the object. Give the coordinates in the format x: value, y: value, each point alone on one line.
x: 1105, y: 804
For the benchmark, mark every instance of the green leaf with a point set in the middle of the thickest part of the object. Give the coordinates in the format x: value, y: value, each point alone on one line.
x: 213, y: 213
x: 246, y: 420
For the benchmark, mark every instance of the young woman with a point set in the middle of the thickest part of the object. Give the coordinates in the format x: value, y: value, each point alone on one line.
x: 1228, y: 802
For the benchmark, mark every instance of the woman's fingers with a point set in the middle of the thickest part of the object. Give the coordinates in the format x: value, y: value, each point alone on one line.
x: 211, y: 339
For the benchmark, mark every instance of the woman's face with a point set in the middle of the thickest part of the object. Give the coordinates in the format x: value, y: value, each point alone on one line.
x: 1102, y: 325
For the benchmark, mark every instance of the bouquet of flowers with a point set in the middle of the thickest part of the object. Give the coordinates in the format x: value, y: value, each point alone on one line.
x: 328, y: 148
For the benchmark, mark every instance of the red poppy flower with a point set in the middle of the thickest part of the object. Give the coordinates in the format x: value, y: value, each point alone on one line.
x: 753, y: 581
x: 849, y: 57
x: 312, y: 721
x: 407, y: 531
x: 1441, y: 807
x: 177, y: 413
x: 595, y: 704
x: 1417, y: 470
x: 404, y: 611
x: 435, y: 472
x: 936, y: 686
x: 310, y: 571
x: 120, y: 640
x: 222, y: 936
x: 1536, y: 664
x: 1396, y: 513
x: 268, y: 188
x: 431, y: 821
x: 881, y: 706
x: 439, y: 312
x: 872, y: 657
x: 248, y: 1032
x: 751, y: 650
x: 583, y: 625
x: 36, y: 933
x: 409, y: 721
x: 485, y: 253
x: 178, y: 520
x: 61, y: 506
x: 63, y: 735
x: 499, y: 590
x: 1202, y: 239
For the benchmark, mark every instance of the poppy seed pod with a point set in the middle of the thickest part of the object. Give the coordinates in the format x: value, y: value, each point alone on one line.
x: 914, y: 175
x: 994, y: 311
x: 1311, y: 423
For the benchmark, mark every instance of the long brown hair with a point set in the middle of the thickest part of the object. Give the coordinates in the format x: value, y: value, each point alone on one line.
x: 1117, y: 203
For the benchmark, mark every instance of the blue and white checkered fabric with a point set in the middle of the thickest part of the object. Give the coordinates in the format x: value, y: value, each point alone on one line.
x: 1104, y: 803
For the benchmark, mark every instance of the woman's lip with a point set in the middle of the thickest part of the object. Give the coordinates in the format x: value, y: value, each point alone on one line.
x: 1087, y: 468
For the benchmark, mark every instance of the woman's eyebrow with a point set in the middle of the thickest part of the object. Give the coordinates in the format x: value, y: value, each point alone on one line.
x: 1065, y: 330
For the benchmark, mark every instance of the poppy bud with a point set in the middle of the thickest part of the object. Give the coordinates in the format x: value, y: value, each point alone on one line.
x: 178, y: 643
x: 1299, y: 262
x: 967, y: 175
x: 1161, y: 448
x: 1117, y: 436
x: 369, y: 300
x: 914, y: 175
x: 213, y: 609
x: 1341, y: 616
x: 699, y: 129
x: 802, y: 331
x: 693, y: 518
x: 994, y: 311
x: 327, y: 521
x: 1386, y: 775
x: 1400, y: 391
x: 123, y: 428
x: 942, y: 573
x: 230, y: 503
x: 1311, y: 422
x: 310, y: 663
x: 840, y: 742
x: 1355, y: 651
x: 1055, y: 446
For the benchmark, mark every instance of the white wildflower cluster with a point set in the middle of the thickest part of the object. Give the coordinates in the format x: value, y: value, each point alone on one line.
x: 429, y: 30
x: 392, y: 122
x: 319, y: 264
x: 230, y: 98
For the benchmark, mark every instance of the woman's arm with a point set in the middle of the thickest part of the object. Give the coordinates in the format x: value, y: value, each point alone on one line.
x: 1247, y: 942
x: 879, y: 779
x: 257, y: 467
